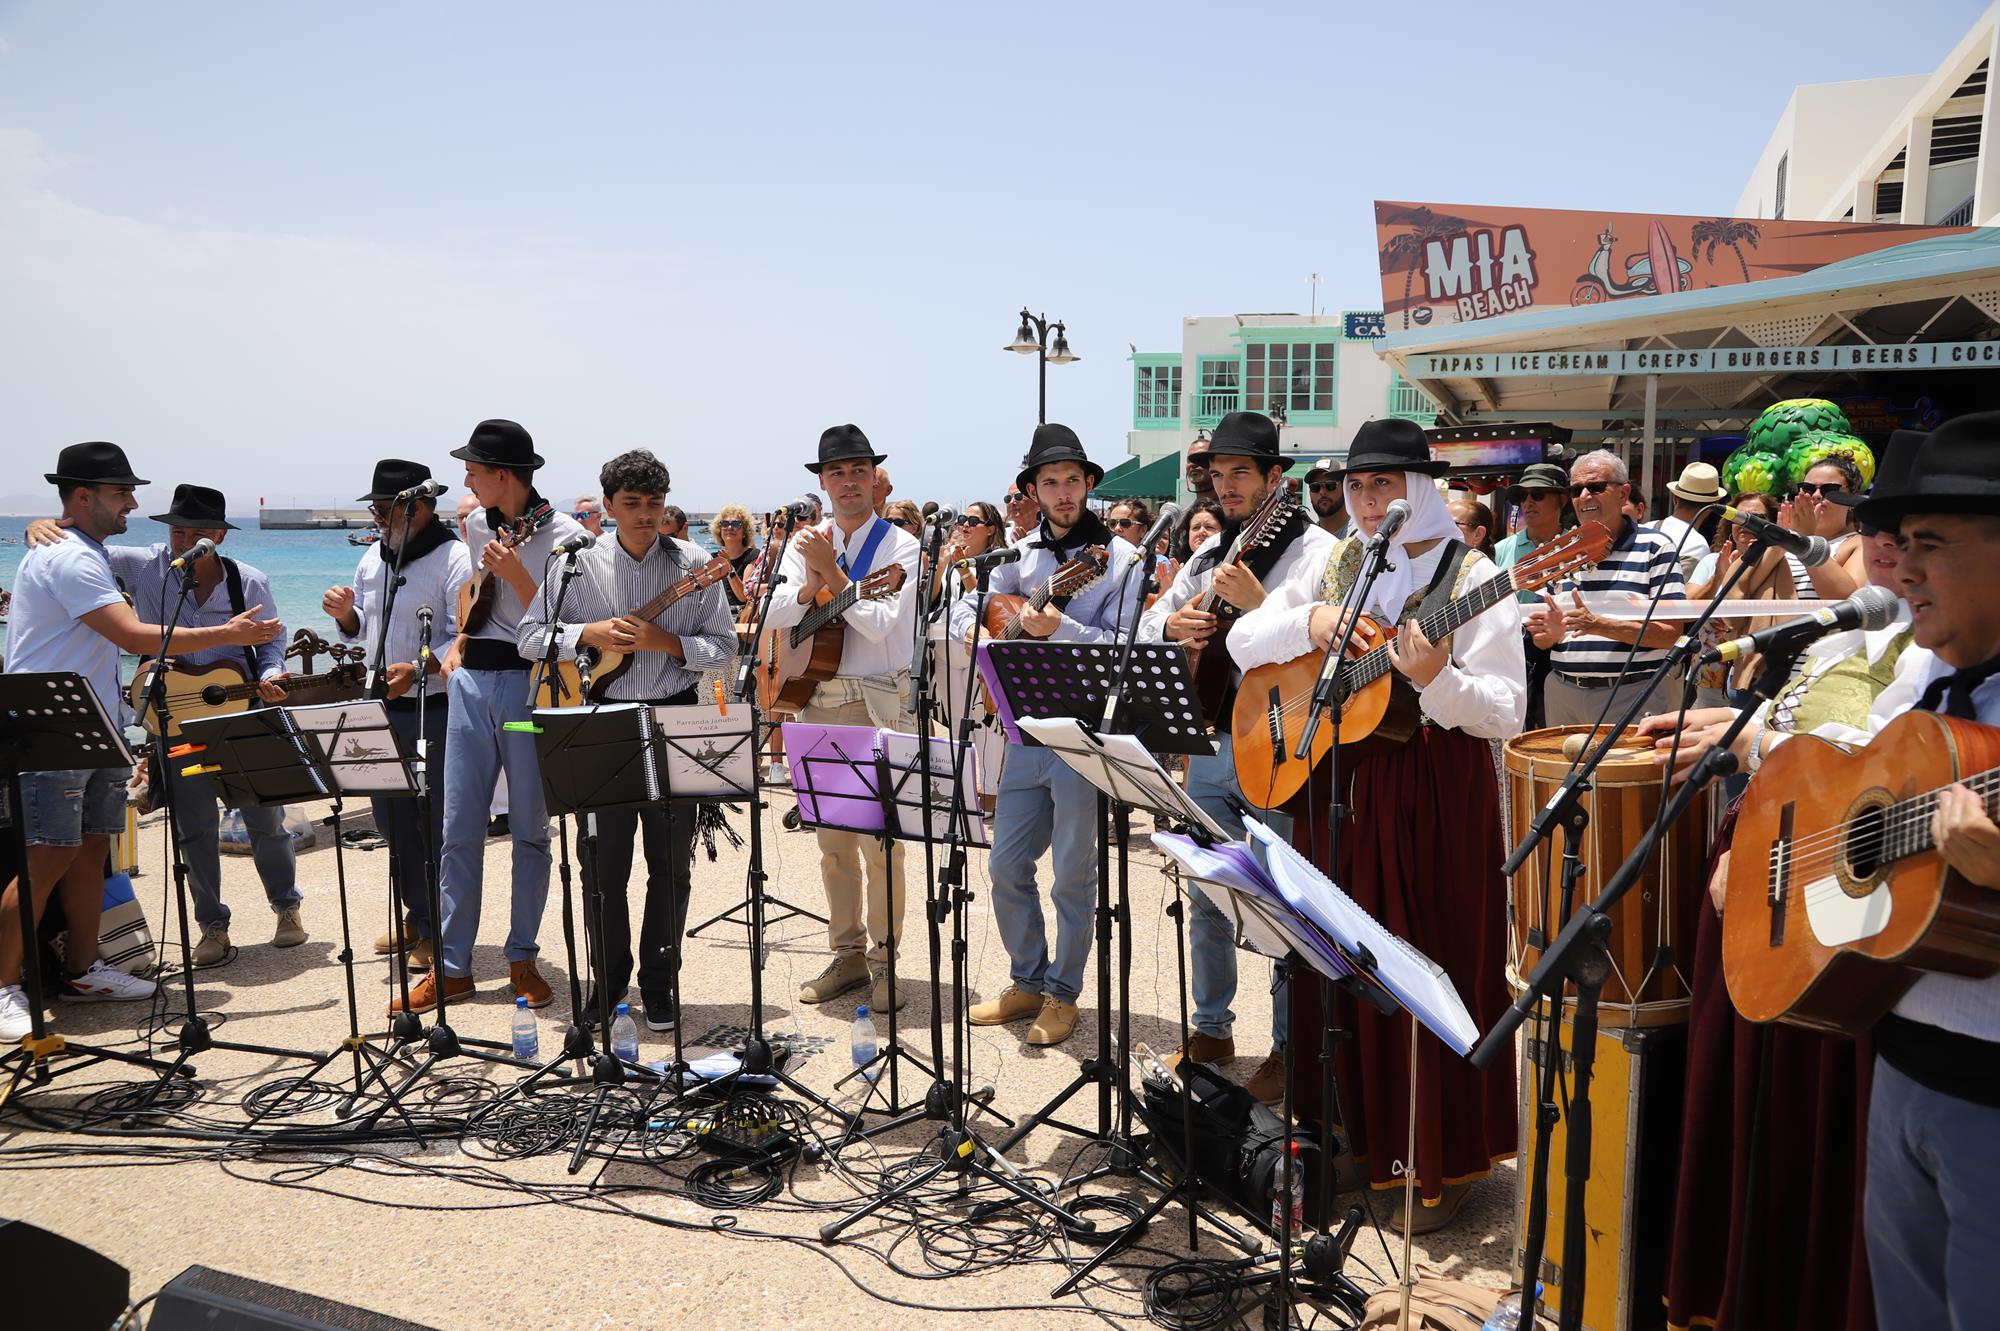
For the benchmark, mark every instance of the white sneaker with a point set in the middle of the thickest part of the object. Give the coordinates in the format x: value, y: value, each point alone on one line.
x: 105, y: 984
x: 15, y: 1019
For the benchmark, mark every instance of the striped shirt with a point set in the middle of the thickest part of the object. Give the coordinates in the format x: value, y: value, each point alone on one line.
x: 1642, y: 561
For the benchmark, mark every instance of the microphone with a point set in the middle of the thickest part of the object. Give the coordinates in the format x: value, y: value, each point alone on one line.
x: 428, y: 490
x: 1006, y: 554
x: 425, y: 613
x: 197, y: 552
x: 1393, y: 519
x: 1811, y: 551
x: 801, y: 510
x: 583, y: 540
x: 944, y: 516
x: 1870, y: 608
x: 1161, y: 526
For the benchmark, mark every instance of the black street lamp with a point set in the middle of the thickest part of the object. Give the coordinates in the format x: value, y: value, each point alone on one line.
x: 1033, y: 340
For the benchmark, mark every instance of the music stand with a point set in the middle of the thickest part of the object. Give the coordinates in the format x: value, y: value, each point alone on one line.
x: 54, y: 722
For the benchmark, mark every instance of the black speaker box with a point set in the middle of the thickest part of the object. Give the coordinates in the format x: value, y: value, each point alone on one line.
x: 56, y: 1284
x: 199, y: 1299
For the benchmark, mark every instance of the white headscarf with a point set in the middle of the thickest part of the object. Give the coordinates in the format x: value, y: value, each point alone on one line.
x: 1430, y: 520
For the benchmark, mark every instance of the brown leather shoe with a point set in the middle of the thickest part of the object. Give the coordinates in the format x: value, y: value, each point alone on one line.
x: 1267, y: 1083
x: 424, y: 995
x: 1206, y: 1049
x: 529, y: 984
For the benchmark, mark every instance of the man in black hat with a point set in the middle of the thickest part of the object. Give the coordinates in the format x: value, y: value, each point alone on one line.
x: 70, y: 614
x: 864, y: 887
x: 221, y: 589
x: 1042, y: 803
x: 433, y: 564
x: 1244, y: 465
x: 1934, y: 1112
x: 513, y: 539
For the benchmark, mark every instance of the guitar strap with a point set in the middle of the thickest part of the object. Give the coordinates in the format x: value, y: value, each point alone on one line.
x: 232, y: 579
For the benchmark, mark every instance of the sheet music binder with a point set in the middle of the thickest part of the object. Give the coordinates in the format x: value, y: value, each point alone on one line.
x: 861, y: 779
x: 1034, y: 678
x: 259, y: 757
x: 595, y: 757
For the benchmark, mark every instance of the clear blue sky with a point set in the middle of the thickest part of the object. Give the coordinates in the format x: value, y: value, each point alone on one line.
x: 262, y: 245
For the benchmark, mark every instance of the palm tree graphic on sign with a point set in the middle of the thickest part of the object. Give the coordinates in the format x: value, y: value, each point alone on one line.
x: 1708, y: 237
x: 1406, y: 250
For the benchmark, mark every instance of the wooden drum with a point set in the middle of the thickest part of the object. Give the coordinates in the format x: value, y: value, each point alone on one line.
x: 1652, y: 928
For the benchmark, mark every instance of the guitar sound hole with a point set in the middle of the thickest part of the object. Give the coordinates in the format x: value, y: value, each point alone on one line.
x: 1864, y: 844
x: 213, y: 695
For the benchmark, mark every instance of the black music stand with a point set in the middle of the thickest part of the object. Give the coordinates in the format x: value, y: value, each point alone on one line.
x: 54, y: 722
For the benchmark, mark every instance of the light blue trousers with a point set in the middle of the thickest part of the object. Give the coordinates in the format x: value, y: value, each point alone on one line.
x: 477, y: 749
x: 1042, y: 804
x: 1211, y: 938
x: 1933, y: 1232
x: 198, y: 816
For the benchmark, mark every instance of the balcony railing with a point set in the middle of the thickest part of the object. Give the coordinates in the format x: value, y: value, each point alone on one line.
x: 1959, y: 216
x: 1212, y: 404
x: 1410, y: 403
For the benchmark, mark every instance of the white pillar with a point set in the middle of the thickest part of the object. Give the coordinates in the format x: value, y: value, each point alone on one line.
x: 1986, y: 178
x: 1650, y: 443
x: 1917, y: 172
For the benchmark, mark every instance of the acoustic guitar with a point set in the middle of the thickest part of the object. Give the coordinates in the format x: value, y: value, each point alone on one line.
x: 563, y: 686
x: 1002, y: 616
x: 223, y: 687
x: 1214, y: 672
x: 476, y: 598
x: 1837, y: 897
x: 1273, y: 701
x: 792, y: 662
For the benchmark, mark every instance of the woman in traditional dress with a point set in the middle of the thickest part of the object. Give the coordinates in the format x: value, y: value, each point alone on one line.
x: 1422, y: 849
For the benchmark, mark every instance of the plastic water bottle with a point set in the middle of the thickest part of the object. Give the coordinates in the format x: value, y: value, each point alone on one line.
x: 1508, y: 1313
x: 527, y: 1044
x: 862, y: 1043
x: 1289, y: 1201
x: 625, y: 1034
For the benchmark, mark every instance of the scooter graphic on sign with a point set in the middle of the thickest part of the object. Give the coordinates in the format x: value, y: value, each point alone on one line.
x: 1599, y: 285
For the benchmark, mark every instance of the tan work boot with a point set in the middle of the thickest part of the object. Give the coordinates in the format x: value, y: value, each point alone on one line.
x: 1013, y: 1004
x: 424, y: 955
x: 290, y: 932
x: 840, y: 975
x: 1056, y: 1021
x: 213, y: 949
x: 388, y: 943
x: 1206, y: 1049
x: 1267, y: 1083
x: 888, y: 990
x: 528, y: 983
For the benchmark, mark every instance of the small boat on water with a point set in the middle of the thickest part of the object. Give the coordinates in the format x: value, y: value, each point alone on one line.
x: 366, y: 536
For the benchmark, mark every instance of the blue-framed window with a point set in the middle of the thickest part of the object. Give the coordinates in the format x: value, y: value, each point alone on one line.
x: 1156, y: 393
x: 1219, y: 391
x: 1303, y: 376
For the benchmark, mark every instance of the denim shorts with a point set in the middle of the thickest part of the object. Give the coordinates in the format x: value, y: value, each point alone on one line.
x: 62, y: 808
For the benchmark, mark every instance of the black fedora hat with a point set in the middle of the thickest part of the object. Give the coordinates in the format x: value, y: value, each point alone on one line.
x: 1892, y: 468
x: 1392, y: 444
x: 499, y: 443
x: 392, y: 477
x: 1246, y: 434
x: 1956, y: 469
x: 197, y: 506
x: 95, y: 463
x: 1055, y: 443
x: 845, y: 443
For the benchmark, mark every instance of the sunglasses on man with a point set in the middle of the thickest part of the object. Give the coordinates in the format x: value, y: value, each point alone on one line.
x: 1582, y: 488
x: 1015, y: 497
x: 1323, y: 487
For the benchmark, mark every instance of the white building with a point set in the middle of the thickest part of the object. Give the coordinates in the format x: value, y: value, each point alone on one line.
x: 1318, y: 375
x: 1917, y: 148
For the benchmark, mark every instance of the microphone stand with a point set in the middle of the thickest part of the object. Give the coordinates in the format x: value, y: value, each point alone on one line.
x: 406, y: 1027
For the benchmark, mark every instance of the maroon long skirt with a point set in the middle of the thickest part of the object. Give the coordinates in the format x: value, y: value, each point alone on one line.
x: 1808, y: 1266
x: 1422, y: 855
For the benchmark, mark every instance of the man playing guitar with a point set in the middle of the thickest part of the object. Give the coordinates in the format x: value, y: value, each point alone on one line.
x: 868, y: 690
x: 671, y: 651
x: 1041, y: 801
x: 1245, y: 467
x: 515, y: 535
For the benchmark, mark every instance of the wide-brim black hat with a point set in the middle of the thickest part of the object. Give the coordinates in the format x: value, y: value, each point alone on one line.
x: 1246, y: 434
x: 392, y: 477
x: 1955, y: 470
x: 197, y: 506
x: 96, y: 463
x: 498, y: 443
x: 1392, y: 444
x: 1055, y: 443
x: 845, y: 443
x: 1892, y: 469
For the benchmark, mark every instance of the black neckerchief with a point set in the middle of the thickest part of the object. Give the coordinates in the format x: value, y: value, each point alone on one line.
x: 1952, y: 694
x: 1088, y: 531
x: 1259, y: 561
x: 422, y: 541
x: 536, y: 511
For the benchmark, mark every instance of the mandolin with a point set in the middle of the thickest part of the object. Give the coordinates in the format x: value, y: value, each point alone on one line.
x: 1002, y: 615
x: 792, y: 662
x: 1214, y: 672
x: 476, y: 598
x: 1273, y: 701
x: 1837, y: 897
x: 564, y: 687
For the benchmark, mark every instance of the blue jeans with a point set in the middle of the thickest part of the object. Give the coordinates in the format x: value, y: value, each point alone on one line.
x: 477, y: 750
x: 1033, y: 786
x: 198, y: 818
x: 1211, y: 938
x: 1933, y: 1232
x: 400, y: 820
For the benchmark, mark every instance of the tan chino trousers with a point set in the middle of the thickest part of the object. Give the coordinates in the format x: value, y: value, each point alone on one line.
x: 852, y: 861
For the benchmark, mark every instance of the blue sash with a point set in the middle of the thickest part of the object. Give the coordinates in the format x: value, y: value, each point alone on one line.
x: 859, y: 569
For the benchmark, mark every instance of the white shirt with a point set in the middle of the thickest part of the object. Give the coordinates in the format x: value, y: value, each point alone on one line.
x: 1693, y: 551
x: 1311, y: 548
x: 505, y: 621
x: 1482, y: 689
x: 54, y: 588
x: 879, y: 632
x: 433, y: 581
x: 1101, y: 612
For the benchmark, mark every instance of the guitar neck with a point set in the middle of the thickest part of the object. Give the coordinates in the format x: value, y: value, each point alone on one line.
x: 1906, y: 825
x: 1372, y: 665
x: 820, y: 616
x: 660, y: 603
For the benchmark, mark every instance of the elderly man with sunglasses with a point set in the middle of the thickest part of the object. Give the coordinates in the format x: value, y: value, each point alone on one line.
x: 1024, y: 515
x: 1598, y: 665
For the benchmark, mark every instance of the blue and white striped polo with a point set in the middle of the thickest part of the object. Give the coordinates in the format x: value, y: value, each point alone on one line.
x: 1641, y: 560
